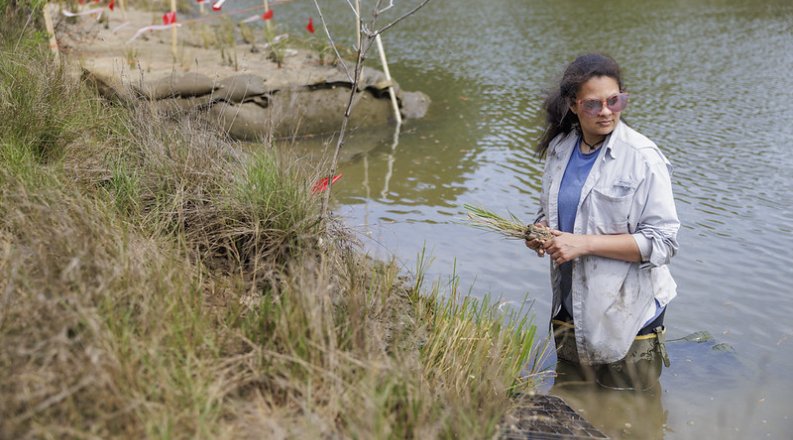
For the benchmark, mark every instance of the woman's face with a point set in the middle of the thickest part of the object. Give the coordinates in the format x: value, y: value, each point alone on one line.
x: 592, y: 106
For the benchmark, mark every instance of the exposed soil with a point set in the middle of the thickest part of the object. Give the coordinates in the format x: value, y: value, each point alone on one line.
x: 251, y: 91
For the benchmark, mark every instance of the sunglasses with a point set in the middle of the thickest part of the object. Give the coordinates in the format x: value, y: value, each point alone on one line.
x: 593, y: 107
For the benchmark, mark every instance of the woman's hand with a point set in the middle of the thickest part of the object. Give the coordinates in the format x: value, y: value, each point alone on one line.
x: 537, y: 245
x: 565, y: 246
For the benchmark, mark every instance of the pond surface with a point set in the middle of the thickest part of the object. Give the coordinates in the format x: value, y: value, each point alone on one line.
x: 711, y: 81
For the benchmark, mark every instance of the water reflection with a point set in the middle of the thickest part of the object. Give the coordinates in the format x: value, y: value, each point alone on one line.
x: 618, y: 414
x: 434, y: 158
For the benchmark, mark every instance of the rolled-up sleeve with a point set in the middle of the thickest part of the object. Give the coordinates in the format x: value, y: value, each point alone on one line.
x: 657, y: 222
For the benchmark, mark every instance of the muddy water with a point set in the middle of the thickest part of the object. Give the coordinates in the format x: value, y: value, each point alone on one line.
x: 710, y: 82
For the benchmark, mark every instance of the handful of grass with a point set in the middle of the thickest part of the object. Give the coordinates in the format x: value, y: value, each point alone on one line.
x: 508, y: 227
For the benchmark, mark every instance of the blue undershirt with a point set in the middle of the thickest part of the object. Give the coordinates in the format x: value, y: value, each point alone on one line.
x: 573, y: 180
x: 575, y: 175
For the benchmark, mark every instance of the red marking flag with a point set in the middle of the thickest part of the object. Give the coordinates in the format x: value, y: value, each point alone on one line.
x: 324, y: 183
x: 169, y: 18
x: 310, y: 25
x: 218, y: 5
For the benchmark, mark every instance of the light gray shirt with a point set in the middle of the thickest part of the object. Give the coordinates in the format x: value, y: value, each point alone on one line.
x: 628, y: 191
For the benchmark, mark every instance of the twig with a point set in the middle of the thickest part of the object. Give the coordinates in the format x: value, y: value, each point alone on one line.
x: 357, y: 23
x: 24, y: 28
x: 404, y: 16
x: 332, y: 43
x: 353, y: 7
x: 390, y: 5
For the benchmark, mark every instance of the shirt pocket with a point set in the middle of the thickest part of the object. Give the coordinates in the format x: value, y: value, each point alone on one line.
x: 610, y: 208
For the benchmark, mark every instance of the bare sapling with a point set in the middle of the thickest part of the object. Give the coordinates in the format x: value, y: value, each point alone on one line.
x: 369, y: 33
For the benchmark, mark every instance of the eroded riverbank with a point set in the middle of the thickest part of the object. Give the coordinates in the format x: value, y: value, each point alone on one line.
x: 280, y: 86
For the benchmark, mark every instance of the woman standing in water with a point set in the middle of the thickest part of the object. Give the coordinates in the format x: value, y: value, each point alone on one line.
x: 607, y: 197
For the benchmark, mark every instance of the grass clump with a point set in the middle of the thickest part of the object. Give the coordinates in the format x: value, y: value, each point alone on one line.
x: 511, y: 227
x: 157, y: 281
x: 42, y: 110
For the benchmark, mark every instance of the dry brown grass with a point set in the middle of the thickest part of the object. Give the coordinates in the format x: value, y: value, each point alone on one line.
x: 157, y: 281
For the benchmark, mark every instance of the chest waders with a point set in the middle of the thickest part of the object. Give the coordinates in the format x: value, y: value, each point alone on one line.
x: 638, y: 370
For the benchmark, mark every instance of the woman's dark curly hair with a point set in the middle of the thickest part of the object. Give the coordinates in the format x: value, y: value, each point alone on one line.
x: 558, y: 117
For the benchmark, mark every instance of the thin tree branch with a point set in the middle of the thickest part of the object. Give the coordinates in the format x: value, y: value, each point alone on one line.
x: 353, y: 8
x: 340, y: 141
x: 22, y: 34
x: 406, y: 15
x: 390, y: 5
x: 332, y: 43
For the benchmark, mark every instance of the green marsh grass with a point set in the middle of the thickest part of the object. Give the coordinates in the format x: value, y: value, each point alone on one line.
x: 160, y: 281
x: 511, y: 228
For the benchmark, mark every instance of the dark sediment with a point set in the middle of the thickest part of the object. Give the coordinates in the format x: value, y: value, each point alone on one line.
x: 546, y: 417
